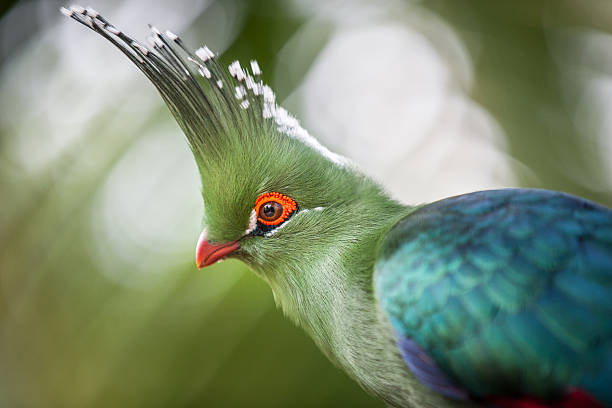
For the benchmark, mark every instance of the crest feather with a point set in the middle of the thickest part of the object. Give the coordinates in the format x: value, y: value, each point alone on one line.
x: 208, y: 102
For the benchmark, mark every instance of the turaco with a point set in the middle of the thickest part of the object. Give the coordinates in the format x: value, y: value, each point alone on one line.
x: 497, y: 298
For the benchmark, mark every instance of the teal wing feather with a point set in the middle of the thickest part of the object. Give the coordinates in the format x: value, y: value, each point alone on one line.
x: 508, y: 291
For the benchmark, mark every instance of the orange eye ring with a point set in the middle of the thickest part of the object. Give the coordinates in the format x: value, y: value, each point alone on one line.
x: 288, y: 205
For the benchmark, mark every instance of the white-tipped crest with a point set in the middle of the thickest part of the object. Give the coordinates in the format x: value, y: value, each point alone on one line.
x: 172, y: 75
x: 204, y: 53
x: 255, y: 68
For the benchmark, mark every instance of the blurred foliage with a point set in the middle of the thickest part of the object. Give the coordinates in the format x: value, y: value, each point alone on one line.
x: 72, y: 337
x: 520, y: 83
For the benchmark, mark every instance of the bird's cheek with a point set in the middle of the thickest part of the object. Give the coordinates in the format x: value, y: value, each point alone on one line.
x: 208, y: 253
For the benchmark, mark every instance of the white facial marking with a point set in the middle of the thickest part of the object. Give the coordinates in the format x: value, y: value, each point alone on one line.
x: 305, y: 210
x: 275, y: 230
x: 252, y: 223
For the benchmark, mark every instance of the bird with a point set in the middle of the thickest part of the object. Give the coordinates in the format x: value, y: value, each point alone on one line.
x: 498, y: 298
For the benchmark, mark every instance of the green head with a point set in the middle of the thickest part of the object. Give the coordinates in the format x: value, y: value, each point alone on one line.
x: 274, y: 197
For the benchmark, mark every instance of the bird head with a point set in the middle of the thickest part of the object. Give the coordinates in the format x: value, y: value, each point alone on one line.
x: 274, y: 197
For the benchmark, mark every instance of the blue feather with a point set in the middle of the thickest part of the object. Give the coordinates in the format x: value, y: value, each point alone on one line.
x: 509, y: 292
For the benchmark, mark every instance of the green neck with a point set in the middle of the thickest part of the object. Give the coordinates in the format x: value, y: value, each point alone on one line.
x: 330, y: 293
x: 331, y: 296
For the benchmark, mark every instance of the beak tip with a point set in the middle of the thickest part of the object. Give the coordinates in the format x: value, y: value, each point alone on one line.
x: 200, y: 259
x: 207, y: 253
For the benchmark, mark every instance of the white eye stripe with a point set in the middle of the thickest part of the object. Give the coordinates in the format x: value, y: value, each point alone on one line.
x: 252, y: 223
x: 275, y: 230
x: 272, y: 232
x: 305, y: 210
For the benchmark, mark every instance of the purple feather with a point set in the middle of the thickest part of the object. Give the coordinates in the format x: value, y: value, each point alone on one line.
x: 426, y: 370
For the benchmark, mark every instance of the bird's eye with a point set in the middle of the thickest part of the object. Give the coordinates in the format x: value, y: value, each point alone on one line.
x: 274, y: 208
x: 270, y: 211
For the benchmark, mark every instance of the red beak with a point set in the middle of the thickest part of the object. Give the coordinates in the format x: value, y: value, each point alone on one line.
x: 208, y: 254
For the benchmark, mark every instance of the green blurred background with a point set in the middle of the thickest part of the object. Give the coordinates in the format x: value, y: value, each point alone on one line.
x: 101, y: 303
